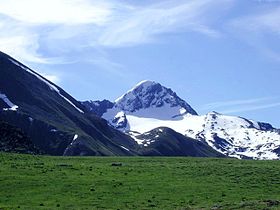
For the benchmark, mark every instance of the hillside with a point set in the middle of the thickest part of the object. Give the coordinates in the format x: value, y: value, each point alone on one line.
x: 55, y: 122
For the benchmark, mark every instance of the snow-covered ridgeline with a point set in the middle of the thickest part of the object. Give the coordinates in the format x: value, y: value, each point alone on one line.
x: 51, y: 86
x: 12, y: 106
x: 239, y: 137
x: 233, y: 136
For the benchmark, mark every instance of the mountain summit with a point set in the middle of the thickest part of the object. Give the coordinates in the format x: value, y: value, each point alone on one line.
x: 147, y: 99
x: 150, y: 94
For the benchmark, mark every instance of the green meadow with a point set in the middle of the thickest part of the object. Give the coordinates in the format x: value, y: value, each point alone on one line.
x: 43, y: 182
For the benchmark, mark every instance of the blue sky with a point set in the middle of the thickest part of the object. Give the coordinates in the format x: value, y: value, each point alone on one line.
x: 221, y: 55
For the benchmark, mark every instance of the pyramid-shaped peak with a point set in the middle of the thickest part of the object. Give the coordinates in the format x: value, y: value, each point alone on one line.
x: 147, y: 94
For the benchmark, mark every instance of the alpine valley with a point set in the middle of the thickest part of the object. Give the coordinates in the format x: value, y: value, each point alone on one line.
x: 38, y: 117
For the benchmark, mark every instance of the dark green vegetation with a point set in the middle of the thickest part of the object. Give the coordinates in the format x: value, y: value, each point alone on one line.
x: 40, y: 182
x: 14, y: 140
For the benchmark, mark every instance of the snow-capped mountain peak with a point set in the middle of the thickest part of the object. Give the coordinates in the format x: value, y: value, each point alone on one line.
x: 148, y: 99
x: 143, y: 84
x: 150, y: 94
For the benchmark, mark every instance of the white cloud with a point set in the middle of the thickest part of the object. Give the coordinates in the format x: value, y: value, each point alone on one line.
x: 141, y: 25
x: 25, y: 26
x: 56, y: 11
x: 22, y: 47
x: 41, y: 31
x: 18, y: 41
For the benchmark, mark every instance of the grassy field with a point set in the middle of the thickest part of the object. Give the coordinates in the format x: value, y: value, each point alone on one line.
x: 40, y: 182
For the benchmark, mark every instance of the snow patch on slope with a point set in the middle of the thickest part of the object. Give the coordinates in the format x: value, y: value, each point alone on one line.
x: 12, y: 106
x: 125, y: 148
x: 74, y: 139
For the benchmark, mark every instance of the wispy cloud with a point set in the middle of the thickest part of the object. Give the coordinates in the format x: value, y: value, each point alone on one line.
x: 37, y: 31
x: 238, y: 106
x: 56, y: 11
x: 250, y: 108
x: 40, y: 31
x: 25, y: 25
x: 220, y: 104
x: 141, y: 25
x: 18, y: 41
x: 115, y: 69
x: 258, y: 29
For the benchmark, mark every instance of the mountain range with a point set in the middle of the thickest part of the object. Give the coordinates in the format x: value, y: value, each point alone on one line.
x: 149, y: 105
x: 148, y: 120
x: 56, y: 123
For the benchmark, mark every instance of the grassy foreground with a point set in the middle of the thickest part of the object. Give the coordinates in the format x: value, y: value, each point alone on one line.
x: 40, y: 182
